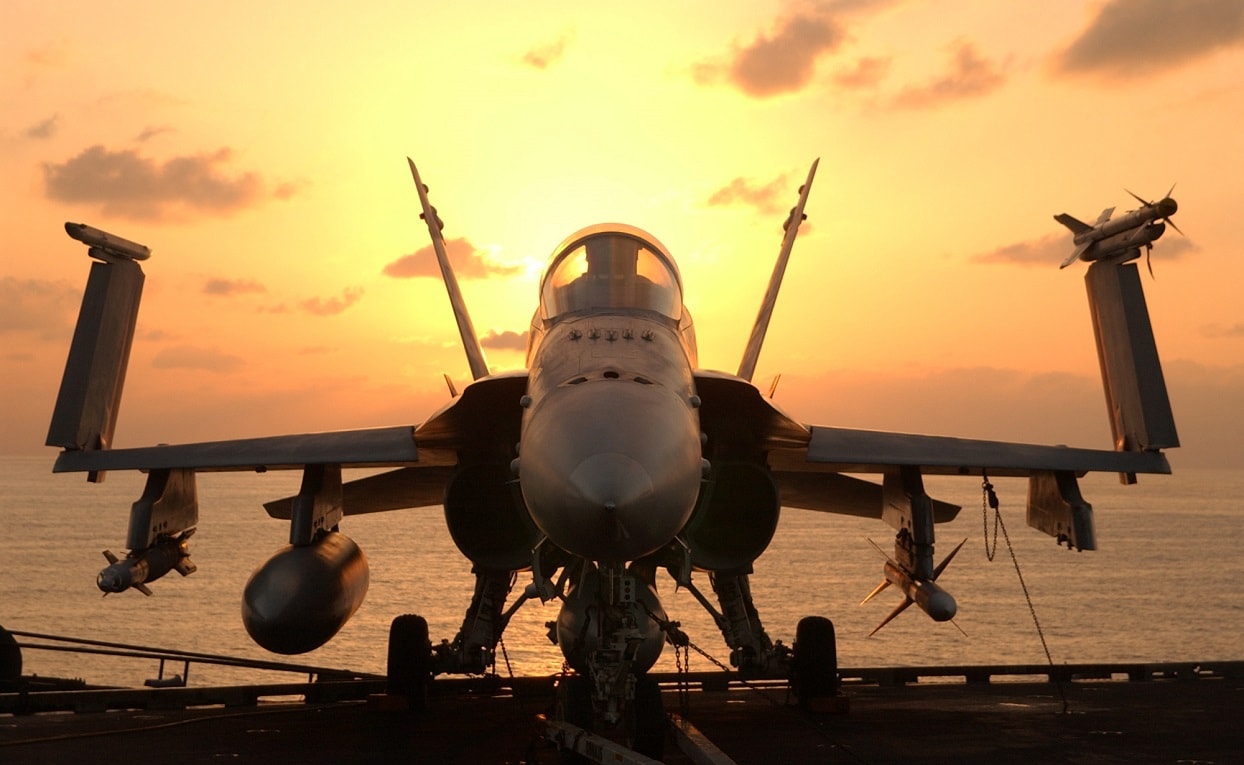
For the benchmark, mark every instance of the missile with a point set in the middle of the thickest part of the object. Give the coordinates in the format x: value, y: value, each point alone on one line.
x: 1125, y: 246
x: 925, y: 593
x: 304, y: 594
x: 169, y: 553
x: 105, y: 246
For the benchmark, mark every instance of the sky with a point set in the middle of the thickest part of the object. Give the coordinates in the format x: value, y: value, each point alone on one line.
x: 259, y: 150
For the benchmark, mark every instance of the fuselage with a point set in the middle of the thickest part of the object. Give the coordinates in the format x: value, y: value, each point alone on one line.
x: 610, y: 456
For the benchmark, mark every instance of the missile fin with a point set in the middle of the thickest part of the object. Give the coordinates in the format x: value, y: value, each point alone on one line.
x: 1075, y: 254
x: 1076, y: 225
x: 900, y: 609
x: 876, y: 591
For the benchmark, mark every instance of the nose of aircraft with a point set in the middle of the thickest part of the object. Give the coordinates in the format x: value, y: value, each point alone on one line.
x: 610, y: 470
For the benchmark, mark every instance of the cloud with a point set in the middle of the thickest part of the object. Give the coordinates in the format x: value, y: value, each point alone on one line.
x: 37, y: 305
x: 126, y: 184
x: 1173, y: 247
x: 1047, y: 250
x: 504, y: 341
x: 1131, y: 38
x: 1218, y: 331
x: 743, y: 191
x: 197, y: 358
x: 468, y: 263
x: 332, y: 306
x: 151, y: 132
x: 546, y: 55
x: 969, y: 76
x: 232, y: 286
x: 867, y: 73
x: 44, y: 129
x: 782, y: 61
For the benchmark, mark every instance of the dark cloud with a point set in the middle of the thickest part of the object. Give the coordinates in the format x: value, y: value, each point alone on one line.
x: 504, y: 341
x: 782, y: 61
x: 867, y: 73
x: 197, y: 358
x: 45, y: 129
x: 743, y: 191
x: 548, y: 54
x: 468, y: 263
x: 1131, y: 38
x: 232, y: 286
x: 332, y: 306
x: 1043, y: 252
x: 37, y: 305
x: 126, y: 184
x: 969, y: 76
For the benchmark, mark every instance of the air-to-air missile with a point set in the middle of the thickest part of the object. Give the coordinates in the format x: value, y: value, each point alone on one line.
x: 1122, y: 237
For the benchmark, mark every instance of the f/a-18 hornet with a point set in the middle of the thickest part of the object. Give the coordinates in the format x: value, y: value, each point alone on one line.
x: 611, y: 457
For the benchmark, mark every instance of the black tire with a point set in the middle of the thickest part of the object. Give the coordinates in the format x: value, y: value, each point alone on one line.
x: 651, y: 724
x: 410, y: 660
x: 10, y: 662
x: 814, y: 671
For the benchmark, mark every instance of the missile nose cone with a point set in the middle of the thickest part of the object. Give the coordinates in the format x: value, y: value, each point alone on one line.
x: 941, y: 606
x: 109, y: 581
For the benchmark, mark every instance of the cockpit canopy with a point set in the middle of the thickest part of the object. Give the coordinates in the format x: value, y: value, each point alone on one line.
x: 611, y: 265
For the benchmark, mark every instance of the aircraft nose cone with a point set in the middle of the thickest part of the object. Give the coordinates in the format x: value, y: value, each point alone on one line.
x: 610, y: 471
x: 610, y: 481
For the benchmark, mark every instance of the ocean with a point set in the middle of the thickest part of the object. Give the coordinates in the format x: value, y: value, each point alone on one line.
x: 1167, y: 583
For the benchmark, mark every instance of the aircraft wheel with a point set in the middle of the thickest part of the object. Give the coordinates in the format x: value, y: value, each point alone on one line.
x: 410, y: 659
x: 814, y: 671
x: 650, y: 721
x: 10, y: 662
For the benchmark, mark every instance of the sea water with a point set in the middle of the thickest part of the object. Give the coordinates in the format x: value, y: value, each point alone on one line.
x: 1167, y: 583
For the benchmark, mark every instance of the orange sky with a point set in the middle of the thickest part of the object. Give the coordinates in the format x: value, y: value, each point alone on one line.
x: 259, y: 149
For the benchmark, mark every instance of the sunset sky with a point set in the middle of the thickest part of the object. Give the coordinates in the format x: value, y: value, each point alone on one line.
x: 259, y: 150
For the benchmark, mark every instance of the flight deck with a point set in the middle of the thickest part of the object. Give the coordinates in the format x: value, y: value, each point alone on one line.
x: 1139, y: 713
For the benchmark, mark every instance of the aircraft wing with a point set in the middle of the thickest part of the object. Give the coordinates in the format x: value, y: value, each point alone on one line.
x: 487, y: 413
x: 870, y: 451
x: 377, y: 447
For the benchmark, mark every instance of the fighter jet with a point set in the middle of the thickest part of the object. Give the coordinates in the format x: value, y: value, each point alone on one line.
x: 1120, y: 239
x: 611, y: 458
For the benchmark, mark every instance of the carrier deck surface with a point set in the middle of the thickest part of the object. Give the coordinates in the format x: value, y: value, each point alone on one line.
x: 1162, y: 714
